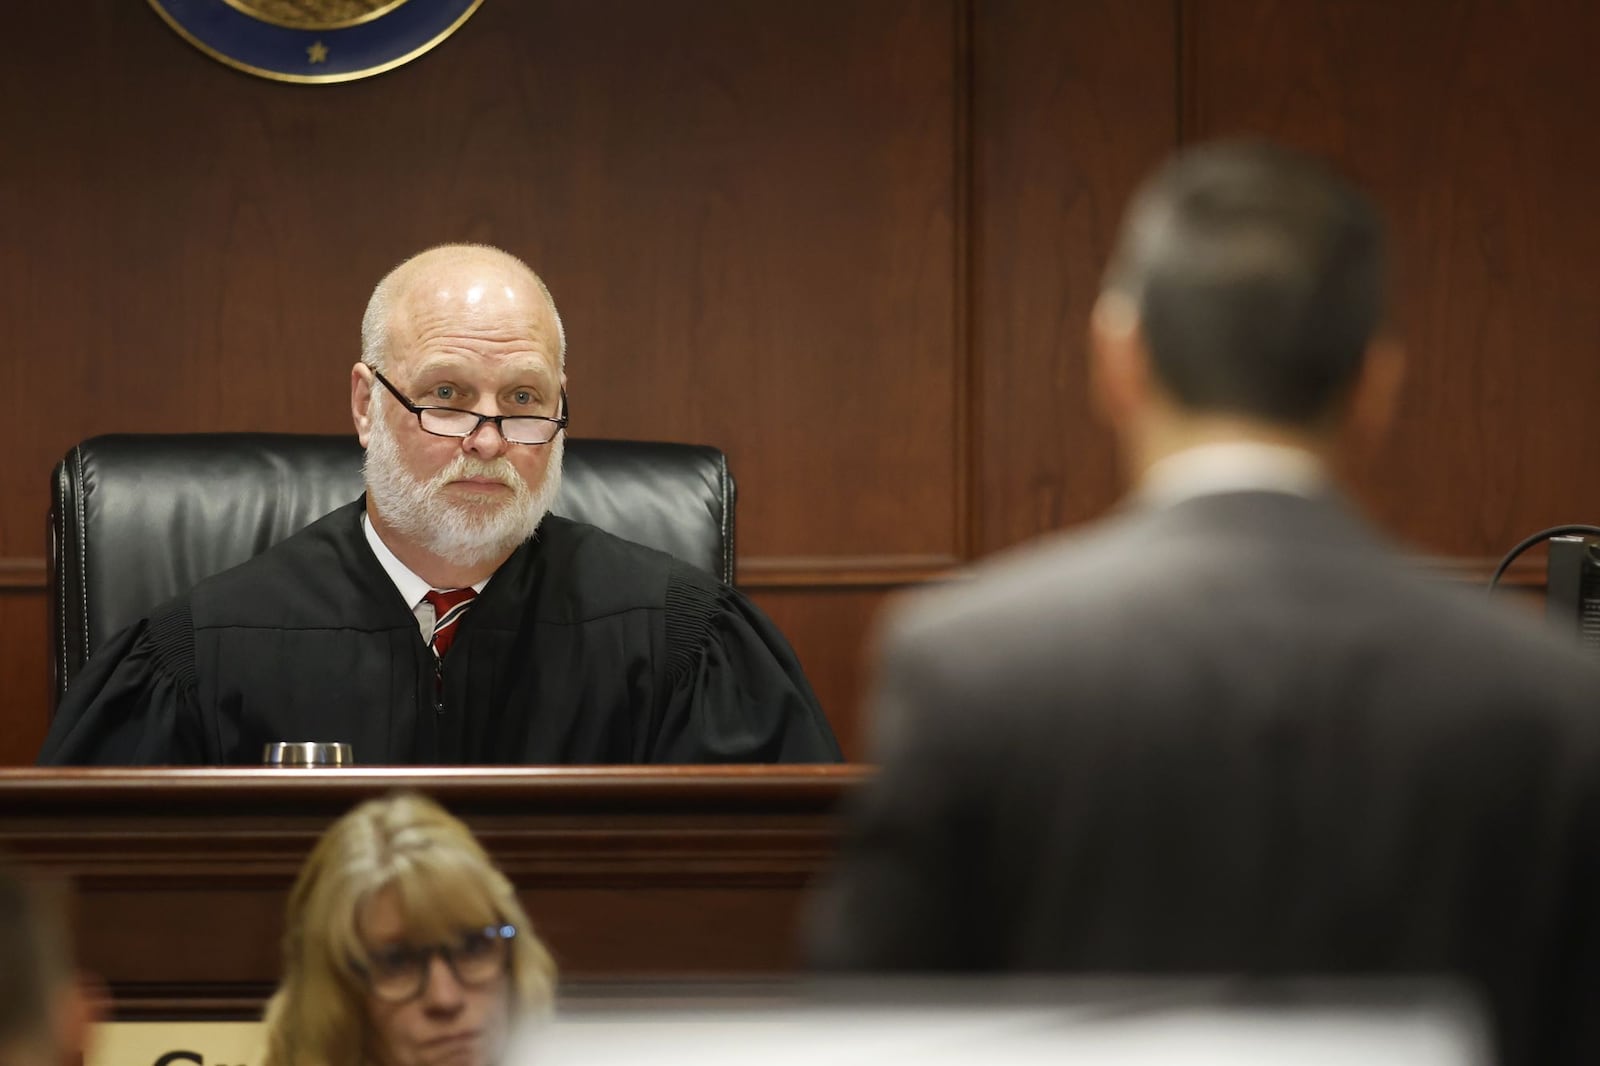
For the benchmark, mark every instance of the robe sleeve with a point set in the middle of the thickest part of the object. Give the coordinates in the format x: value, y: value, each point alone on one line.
x: 736, y: 693
x: 134, y: 702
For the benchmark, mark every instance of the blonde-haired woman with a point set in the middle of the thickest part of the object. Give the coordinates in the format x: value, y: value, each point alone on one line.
x: 404, y: 946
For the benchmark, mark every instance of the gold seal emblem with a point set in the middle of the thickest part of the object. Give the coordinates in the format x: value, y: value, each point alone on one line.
x: 315, y: 14
x: 314, y: 41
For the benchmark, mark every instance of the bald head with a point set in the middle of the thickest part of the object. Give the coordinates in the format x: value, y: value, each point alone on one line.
x: 464, y: 328
x: 455, y: 279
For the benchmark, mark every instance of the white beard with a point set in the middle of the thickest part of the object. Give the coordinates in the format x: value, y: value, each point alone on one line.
x: 464, y: 534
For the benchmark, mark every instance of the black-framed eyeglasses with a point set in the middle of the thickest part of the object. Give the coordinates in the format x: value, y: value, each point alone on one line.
x: 455, y: 422
x: 476, y: 956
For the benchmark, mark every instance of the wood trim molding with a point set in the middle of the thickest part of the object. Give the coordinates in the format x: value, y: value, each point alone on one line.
x: 27, y: 573
x: 22, y: 572
x: 843, y: 571
x: 557, y: 789
x: 967, y: 417
x: 1526, y: 573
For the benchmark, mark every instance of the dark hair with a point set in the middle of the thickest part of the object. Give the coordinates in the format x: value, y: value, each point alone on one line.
x: 1258, y: 276
x: 33, y: 955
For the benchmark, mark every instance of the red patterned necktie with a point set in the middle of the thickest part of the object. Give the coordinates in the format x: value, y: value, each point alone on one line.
x: 448, y: 607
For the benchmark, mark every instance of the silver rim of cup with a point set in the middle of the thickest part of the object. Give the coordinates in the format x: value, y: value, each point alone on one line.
x: 284, y: 753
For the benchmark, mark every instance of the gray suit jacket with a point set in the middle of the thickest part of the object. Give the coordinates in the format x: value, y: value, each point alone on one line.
x: 1235, y: 735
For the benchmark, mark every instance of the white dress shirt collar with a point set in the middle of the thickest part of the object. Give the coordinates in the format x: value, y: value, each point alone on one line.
x: 1233, y: 466
x: 412, y: 588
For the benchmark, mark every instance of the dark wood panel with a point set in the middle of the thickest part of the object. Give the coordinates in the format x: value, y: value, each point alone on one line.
x: 745, y: 210
x: 181, y: 875
x: 1467, y: 119
x: 831, y: 631
x: 1072, y: 104
x: 24, y: 674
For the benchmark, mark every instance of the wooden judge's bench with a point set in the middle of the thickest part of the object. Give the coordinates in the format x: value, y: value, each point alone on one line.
x: 180, y: 876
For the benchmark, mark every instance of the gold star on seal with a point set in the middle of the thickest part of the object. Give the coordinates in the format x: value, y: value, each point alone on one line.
x: 318, y: 52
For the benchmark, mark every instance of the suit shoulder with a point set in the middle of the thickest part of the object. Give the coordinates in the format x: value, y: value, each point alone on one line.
x: 1055, y: 573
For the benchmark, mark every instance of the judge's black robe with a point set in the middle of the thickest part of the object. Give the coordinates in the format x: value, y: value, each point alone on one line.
x: 582, y: 648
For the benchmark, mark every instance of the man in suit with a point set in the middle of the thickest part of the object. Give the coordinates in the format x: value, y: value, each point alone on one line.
x: 1229, y: 730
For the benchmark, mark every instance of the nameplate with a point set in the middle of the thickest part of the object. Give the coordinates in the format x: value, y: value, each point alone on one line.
x: 176, y: 1044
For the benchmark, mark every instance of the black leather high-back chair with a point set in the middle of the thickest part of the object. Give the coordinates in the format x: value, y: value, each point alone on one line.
x: 138, y: 519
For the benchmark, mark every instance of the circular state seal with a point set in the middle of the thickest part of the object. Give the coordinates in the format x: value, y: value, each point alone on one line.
x: 314, y: 40
x: 316, y: 14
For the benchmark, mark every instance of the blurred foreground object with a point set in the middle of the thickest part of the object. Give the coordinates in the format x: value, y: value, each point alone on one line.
x: 1009, y: 1023
x: 44, y: 1010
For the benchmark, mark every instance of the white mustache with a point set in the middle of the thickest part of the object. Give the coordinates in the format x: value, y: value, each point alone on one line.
x: 466, y: 466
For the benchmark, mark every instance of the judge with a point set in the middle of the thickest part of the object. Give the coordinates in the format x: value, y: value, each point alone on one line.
x: 447, y: 616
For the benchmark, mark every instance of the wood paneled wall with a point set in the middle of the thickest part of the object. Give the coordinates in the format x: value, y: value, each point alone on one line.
x: 1469, y: 120
x: 853, y: 243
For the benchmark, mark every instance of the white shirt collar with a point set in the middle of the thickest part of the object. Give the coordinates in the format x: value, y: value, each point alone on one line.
x: 412, y: 588
x: 1233, y: 466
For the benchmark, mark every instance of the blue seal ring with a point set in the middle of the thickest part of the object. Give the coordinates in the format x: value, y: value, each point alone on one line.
x: 254, y: 43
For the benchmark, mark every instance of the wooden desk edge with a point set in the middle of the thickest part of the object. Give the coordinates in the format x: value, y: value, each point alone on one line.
x: 673, y: 788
